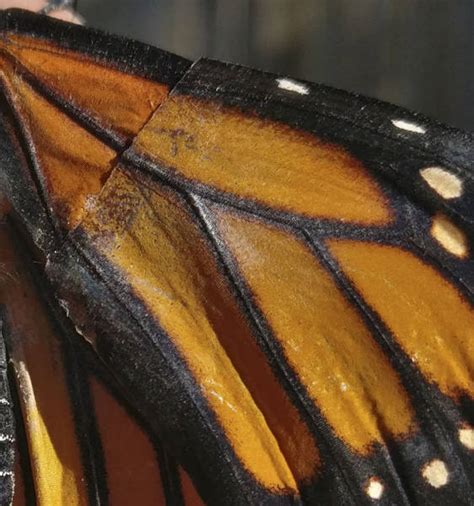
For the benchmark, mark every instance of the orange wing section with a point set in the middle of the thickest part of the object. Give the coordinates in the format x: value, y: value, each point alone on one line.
x: 323, y: 338
x: 260, y: 160
x: 72, y: 163
x: 428, y: 315
x: 143, y: 229
x: 117, y: 100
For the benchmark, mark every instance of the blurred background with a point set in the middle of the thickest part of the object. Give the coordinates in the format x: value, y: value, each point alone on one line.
x: 414, y: 53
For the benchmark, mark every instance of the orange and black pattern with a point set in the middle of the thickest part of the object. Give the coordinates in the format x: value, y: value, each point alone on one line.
x: 78, y: 442
x: 228, y: 287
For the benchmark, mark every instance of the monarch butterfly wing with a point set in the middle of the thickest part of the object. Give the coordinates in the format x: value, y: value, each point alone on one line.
x: 344, y: 227
x: 78, y: 441
x: 73, y: 96
x: 245, y: 271
x: 288, y: 247
x: 47, y: 141
x: 56, y: 95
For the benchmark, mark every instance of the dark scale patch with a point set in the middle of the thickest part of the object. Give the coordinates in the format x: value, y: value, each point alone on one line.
x: 180, y: 139
x: 7, y: 428
x: 120, y: 207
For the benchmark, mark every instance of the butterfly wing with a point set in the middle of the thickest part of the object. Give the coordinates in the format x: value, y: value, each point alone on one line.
x: 279, y: 275
x: 89, y: 104
x: 79, y: 441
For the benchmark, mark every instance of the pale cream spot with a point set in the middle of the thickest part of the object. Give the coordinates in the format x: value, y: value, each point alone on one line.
x: 406, y: 125
x: 446, y: 184
x: 374, y: 488
x: 436, y: 473
x: 290, y: 85
x: 466, y: 436
x: 449, y: 236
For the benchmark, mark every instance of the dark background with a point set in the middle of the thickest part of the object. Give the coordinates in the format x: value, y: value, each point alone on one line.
x: 415, y: 53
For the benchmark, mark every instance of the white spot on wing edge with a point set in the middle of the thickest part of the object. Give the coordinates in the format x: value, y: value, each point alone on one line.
x: 6, y: 437
x: 436, y: 473
x: 290, y: 85
x: 443, y: 182
x: 374, y: 488
x: 466, y: 436
x: 451, y: 238
x: 407, y: 125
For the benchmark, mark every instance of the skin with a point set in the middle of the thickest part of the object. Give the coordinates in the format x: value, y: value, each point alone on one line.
x: 65, y: 14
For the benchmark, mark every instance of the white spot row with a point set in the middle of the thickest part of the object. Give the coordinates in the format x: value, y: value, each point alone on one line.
x: 6, y: 437
x: 448, y: 186
x: 434, y: 472
x: 290, y: 85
